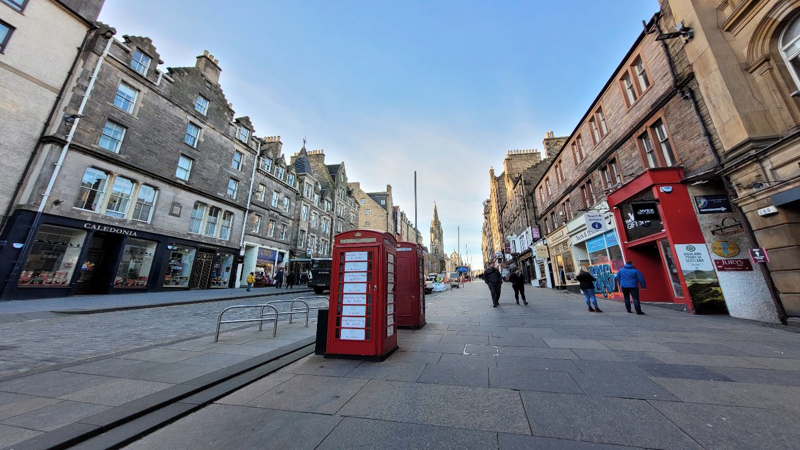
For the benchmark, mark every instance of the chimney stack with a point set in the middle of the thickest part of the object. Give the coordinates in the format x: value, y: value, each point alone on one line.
x: 209, y: 66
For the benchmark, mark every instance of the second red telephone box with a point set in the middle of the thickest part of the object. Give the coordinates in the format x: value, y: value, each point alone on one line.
x: 410, y: 285
x: 361, y: 318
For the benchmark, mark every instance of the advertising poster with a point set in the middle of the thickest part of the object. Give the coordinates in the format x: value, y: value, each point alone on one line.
x: 701, y: 279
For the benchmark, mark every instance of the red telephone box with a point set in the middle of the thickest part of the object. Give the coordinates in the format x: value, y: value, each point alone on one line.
x: 410, y: 285
x: 361, y: 317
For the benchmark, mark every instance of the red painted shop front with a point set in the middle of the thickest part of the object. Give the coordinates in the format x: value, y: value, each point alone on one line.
x: 410, y: 285
x: 361, y: 318
x: 659, y: 232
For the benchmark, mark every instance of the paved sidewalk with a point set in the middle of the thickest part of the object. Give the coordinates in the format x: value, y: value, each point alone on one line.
x: 549, y: 376
x: 20, y: 310
x: 83, y: 395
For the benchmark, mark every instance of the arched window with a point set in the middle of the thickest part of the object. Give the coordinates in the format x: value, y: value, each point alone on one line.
x: 790, y: 48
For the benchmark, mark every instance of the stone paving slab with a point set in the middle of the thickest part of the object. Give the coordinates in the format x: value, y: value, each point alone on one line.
x: 520, y: 442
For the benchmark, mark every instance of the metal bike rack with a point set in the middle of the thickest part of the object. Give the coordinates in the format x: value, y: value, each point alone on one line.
x: 292, y: 310
x: 261, y: 319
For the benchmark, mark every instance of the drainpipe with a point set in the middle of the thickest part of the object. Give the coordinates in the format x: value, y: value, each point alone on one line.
x: 688, y: 94
x: 46, y: 196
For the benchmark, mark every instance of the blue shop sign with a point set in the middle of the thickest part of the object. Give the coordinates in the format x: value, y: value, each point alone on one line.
x: 611, y: 239
x: 595, y: 244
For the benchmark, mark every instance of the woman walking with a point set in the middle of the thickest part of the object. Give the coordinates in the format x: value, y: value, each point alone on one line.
x: 587, y: 286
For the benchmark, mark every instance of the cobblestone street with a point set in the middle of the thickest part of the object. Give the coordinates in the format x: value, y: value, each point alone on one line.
x: 549, y: 375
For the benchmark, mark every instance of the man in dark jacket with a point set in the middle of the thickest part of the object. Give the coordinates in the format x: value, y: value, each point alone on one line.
x: 629, y: 280
x: 279, y: 278
x: 587, y: 286
x: 518, y: 283
x: 290, y: 279
x: 494, y: 279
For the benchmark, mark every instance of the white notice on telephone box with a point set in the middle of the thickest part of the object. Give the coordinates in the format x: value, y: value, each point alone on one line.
x: 354, y: 311
x: 355, y: 267
x: 354, y: 299
x: 355, y: 256
x: 358, y: 277
x: 353, y: 335
x: 355, y: 288
x: 354, y: 322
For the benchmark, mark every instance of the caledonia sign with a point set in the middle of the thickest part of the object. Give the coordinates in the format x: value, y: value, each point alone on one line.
x: 108, y: 229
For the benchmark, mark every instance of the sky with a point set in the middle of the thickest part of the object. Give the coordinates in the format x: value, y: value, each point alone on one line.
x: 440, y: 87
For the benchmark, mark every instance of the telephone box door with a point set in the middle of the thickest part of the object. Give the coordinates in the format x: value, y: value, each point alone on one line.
x: 411, y: 285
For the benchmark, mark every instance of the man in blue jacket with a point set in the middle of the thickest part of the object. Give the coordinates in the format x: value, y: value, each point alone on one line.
x: 629, y: 280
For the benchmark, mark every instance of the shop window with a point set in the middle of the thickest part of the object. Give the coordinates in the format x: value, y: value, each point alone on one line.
x: 179, y: 270
x: 134, y: 267
x: 790, y: 48
x: 120, y: 197
x: 53, y: 257
x: 672, y: 268
x: 227, y: 224
x: 211, y: 221
x: 125, y: 98
x: 636, y: 229
x: 90, y: 193
x: 145, y: 201
x: 196, y: 219
x: 221, y: 271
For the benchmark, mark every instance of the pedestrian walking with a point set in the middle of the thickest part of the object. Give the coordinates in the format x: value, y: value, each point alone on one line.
x: 250, y: 280
x: 494, y: 279
x: 518, y: 284
x: 587, y: 286
x: 279, y: 278
x: 303, y: 278
x: 629, y: 279
x: 290, y: 280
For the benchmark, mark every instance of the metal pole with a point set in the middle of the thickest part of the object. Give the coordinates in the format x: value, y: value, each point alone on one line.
x: 416, y: 230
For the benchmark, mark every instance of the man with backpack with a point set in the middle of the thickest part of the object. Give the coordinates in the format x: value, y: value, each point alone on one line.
x: 493, y: 278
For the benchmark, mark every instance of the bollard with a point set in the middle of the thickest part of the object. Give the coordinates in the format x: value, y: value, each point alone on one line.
x: 322, y: 331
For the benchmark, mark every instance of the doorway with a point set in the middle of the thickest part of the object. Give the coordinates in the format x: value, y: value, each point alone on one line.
x: 201, y: 274
x: 648, y: 259
x: 99, y: 266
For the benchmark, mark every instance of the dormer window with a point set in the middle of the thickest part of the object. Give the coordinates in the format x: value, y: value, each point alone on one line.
x: 244, y: 133
x: 140, y: 62
x: 201, y: 105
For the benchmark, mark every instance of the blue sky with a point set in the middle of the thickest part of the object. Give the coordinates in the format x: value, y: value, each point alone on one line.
x: 441, y: 87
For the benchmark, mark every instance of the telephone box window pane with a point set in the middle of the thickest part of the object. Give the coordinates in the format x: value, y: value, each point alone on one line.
x: 53, y: 258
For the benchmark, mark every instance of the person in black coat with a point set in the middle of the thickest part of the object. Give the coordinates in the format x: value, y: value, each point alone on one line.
x: 518, y: 283
x: 290, y: 279
x: 587, y: 286
x: 494, y: 279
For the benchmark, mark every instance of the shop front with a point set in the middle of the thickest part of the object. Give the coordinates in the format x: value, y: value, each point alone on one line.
x: 595, y: 248
x: 73, y: 257
x: 540, y: 264
x: 662, y: 236
x: 561, y: 260
x: 264, y: 262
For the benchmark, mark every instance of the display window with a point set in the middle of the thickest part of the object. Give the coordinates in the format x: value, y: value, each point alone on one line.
x: 181, y: 260
x: 133, y: 271
x: 53, y: 257
x: 637, y: 229
x: 221, y: 270
x: 605, y: 259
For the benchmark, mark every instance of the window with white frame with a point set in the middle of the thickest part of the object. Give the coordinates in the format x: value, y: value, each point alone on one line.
x: 256, y: 225
x: 276, y: 197
x: 125, y: 98
x: 227, y: 224
x: 309, y: 191
x: 367, y: 211
x: 243, y: 134
x: 192, y: 135
x: 145, y: 202
x: 287, y: 204
x: 265, y: 164
x: 316, y: 199
x: 363, y: 201
x: 290, y: 179
x: 790, y: 48
x: 140, y: 62
x: 284, y: 231
x: 212, y: 221
x: 301, y: 238
x: 184, y: 168
x: 92, y: 188
x: 312, y: 243
x: 339, y: 226
x: 641, y: 74
x: 279, y: 172
x: 196, y: 219
x: 383, y: 202
x: 119, y: 199
x: 113, y: 134
x: 201, y: 105
x: 314, y: 219
x: 304, y: 213
x: 238, y: 159
x: 271, y: 228
x: 366, y: 223
x: 261, y: 192
x: 233, y: 188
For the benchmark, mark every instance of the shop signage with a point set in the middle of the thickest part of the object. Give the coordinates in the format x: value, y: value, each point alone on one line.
x: 700, y: 277
x: 693, y: 257
x: 595, y: 244
x: 107, y: 229
x: 759, y: 255
x: 507, y: 248
x: 712, y: 204
x: 733, y: 265
x: 595, y: 221
x: 725, y: 249
x: 541, y: 251
x: 643, y: 211
x: 535, y: 233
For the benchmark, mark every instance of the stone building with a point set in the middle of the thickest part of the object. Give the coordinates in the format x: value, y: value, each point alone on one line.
x: 375, y: 209
x: 40, y: 44
x: 743, y: 56
x: 269, y: 231
x: 634, y: 181
x: 334, y: 183
x: 437, y: 257
x: 152, y: 187
x: 487, y: 246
